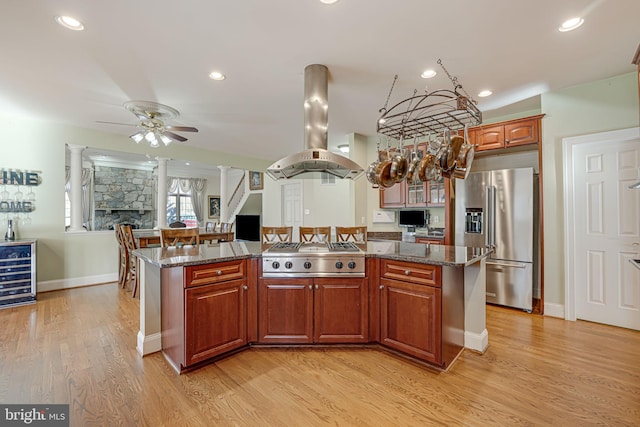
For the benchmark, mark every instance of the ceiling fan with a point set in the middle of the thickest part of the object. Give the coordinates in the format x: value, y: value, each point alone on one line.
x: 153, y: 129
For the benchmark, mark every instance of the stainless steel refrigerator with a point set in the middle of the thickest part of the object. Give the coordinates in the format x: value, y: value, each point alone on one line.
x: 497, y: 209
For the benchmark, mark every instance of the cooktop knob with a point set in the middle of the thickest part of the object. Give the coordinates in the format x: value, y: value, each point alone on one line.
x: 339, y: 265
x: 307, y: 265
x: 275, y: 265
x: 351, y: 265
x: 288, y: 264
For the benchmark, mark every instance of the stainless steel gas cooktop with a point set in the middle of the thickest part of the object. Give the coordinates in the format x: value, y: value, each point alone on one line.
x: 333, y: 259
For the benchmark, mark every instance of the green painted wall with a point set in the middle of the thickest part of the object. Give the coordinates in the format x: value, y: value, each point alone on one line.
x: 580, y: 110
x: 37, y: 145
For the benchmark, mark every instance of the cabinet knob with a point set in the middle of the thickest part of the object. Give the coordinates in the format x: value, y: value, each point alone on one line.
x: 245, y: 287
x: 219, y: 272
x: 310, y: 287
x: 407, y: 272
x: 317, y: 287
x: 506, y: 140
x: 381, y: 287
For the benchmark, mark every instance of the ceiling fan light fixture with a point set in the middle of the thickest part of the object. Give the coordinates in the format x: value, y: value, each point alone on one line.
x: 137, y: 137
x: 165, y: 139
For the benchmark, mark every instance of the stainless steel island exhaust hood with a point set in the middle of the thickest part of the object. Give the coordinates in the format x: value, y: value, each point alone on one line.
x: 315, y: 160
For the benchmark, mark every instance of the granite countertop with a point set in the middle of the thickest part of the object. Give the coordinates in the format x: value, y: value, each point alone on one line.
x: 201, y: 254
x: 424, y: 253
x: 456, y: 256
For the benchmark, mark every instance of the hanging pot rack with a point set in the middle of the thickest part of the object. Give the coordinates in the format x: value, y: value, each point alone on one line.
x: 431, y: 112
x: 441, y: 111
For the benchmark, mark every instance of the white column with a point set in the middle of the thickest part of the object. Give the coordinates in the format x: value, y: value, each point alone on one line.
x: 75, y: 195
x: 161, y: 208
x: 224, y: 197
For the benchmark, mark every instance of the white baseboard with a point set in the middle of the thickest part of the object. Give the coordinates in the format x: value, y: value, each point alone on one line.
x: 476, y: 342
x: 149, y: 344
x: 554, y: 310
x: 75, y: 282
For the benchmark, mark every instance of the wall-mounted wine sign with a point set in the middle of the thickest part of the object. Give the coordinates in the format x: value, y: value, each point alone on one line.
x: 18, y: 202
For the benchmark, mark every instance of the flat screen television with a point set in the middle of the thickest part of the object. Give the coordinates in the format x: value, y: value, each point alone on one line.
x: 412, y: 218
x: 248, y: 228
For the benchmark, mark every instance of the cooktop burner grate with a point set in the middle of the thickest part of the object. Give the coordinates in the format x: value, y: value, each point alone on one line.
x: 342, y: 247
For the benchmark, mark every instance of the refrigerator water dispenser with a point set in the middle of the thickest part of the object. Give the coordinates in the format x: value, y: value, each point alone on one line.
x: 473, y: 220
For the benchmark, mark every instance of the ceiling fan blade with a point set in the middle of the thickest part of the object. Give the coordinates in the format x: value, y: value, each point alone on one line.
x: 115, y: 123
x: 174, y: 136
x: 182, y: 128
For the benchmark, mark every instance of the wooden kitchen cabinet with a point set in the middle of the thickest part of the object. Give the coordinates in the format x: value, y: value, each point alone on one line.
x: 317, y: 310
x: 216, y: 320
x: 421, y: 194
x: 506, y: 134
x: 340, y: 307
x: 204, y: 311
x: 420, y: 312
x: 394, y: 197
x: 411, y: 319
x: 285, y: 311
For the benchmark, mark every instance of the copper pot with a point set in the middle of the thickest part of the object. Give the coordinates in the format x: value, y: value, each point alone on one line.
x: 427, y: 167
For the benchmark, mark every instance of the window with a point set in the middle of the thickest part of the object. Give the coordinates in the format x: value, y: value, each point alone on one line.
x: 180, y: 208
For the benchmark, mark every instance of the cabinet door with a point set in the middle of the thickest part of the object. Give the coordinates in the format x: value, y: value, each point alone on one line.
x: 340, y: 310
x: 521, y: 133
x: 417, y: 194
x: 411, y: 319
x: 436, y: 192
x: 285, y: 311
x: 393, y: 197
x: 216, y: 320
x: 489, y: 138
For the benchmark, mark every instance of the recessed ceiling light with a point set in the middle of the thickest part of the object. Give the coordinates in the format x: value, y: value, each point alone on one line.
x: 216, y: 75
x: 188, y: 164
x: 70, y: 23
x: 328, y: 1
x: 571, y: 24
x: 427, y: 74
x: 484, y: 93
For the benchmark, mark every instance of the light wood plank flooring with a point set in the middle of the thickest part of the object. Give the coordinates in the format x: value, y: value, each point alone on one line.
x: 78, y: 346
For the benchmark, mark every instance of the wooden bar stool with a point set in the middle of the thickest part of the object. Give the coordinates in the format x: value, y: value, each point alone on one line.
x: 351, y: 234
x: 123, y: 256
x: 132, y: 269
x: 271, y: 235
x: 179, y: 237
x: 315, y: 234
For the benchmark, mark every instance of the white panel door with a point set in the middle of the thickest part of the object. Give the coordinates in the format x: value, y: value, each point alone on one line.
x: 606, y: 232
x: 292, y: 207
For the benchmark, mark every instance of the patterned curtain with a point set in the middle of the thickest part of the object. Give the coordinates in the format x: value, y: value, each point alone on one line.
x: 194, y: 185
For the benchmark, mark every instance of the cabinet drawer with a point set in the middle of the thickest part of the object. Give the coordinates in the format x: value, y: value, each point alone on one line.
x: 198, y: 275
x: 422, y: 274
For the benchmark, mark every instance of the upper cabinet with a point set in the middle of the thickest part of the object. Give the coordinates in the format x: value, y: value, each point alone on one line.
x: 421, y: 194
x: 506, y: 134
x: 416, y: 193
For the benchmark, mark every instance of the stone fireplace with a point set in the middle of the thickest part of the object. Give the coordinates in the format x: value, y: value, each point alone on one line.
x: 123, y: 196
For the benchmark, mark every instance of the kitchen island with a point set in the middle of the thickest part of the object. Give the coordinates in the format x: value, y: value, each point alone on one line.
x: 170, y: 271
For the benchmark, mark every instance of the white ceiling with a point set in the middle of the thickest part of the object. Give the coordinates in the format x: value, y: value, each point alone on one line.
x: 163, y: 51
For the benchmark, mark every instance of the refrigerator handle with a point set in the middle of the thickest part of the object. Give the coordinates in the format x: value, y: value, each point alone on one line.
x: 491, y: 214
